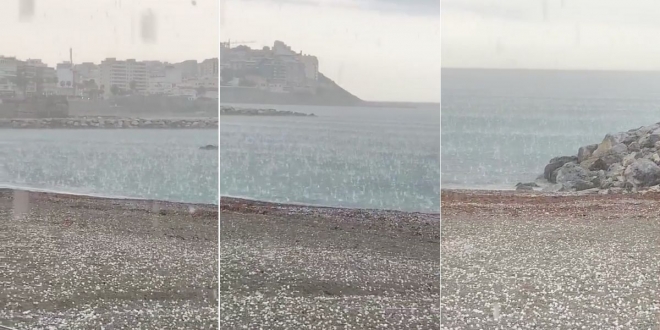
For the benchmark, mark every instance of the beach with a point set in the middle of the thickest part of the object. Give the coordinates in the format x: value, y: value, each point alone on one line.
x: 77, y: 262
x: 513, y: 260
x: 301, y: 267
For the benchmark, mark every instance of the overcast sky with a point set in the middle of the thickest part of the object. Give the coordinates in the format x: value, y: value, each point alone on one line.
x: 97, y: 29
x: 385, y: 50
x: 551, y: 34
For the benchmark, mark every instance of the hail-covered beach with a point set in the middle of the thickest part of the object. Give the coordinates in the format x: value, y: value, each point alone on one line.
x: 578, y: 249
x: 75, y: 262
x: 301, y: 267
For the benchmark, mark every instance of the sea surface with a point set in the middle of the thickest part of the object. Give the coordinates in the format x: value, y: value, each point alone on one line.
x: 145, y: 164
x: 358, y: 157
x: 501, y: 127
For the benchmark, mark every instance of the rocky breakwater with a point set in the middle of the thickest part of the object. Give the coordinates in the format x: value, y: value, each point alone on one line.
x: 622, y: 163
x: 231, y: 111
x: 109, y: 123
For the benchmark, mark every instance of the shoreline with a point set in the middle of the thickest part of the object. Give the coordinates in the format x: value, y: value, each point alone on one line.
x: 101, y: 122
x: 266, y: 203
x: 8, y: 187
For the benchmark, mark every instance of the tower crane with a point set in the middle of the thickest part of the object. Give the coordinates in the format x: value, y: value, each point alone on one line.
x: 229, y: 42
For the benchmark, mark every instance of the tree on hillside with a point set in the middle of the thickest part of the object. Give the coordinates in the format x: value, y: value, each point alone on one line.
x: 114, y: 89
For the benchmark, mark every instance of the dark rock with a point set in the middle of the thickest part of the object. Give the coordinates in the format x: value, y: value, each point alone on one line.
x: 573, y: 177
x: 602, y: 160
x: 209, y: 147
x: 615, y: 170
x: 580, y: 185
x: 642, y: 173
x: 634, y: 146
x: 526, y: 186
x: 585, y: 152
x: 608, y: 183
x: 596, y: 164
x: 649, y: 140
x: 549, y: 173
x: 599, y: 178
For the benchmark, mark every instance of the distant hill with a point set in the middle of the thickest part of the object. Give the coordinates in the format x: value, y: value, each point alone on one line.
x: 328, y: 94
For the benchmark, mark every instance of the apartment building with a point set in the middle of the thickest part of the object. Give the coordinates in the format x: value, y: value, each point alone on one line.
x: 8, y: 69
x: 128, y: 76
x: 189, y: 69
x: 166, y: 81
x: 88, y: 71
x: 311, y: 67
x: 209, y: 68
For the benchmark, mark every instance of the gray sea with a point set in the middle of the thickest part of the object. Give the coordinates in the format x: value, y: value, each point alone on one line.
x: 383, y: 158
x: 501, y: 127
x: 146, y: 164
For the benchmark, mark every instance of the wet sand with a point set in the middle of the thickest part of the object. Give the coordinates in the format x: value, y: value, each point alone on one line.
x: 537, y: 261
x: 73, y: 262
x: 297, y: 267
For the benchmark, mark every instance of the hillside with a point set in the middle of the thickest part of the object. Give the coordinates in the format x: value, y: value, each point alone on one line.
x: 328, y: 94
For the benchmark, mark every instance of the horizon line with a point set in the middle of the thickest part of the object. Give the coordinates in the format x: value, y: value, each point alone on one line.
x: 546, y: 69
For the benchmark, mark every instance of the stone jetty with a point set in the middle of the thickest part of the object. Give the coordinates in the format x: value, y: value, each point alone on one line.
x: 623, y: 162
x: 109, y: 123
x: 231, y: 111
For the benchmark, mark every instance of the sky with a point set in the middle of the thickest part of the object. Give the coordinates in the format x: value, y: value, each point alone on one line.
x: 97, y: 29
x: 551, y: 34
x: 379, y: 50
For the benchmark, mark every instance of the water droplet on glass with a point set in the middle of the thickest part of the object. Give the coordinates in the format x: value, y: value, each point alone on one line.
x: 26, y: 9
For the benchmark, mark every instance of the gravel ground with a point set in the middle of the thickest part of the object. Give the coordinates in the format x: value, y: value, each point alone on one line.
x: 296, y: 267
x: 537, y: 261
x: 71, y: 262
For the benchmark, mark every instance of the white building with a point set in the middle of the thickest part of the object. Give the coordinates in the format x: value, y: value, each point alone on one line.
x: 203, y: 82
x: 8, y: 69
x: 311, y: 64
x: 64, y: 75
x: 160, y: 87
x: 170, y: 77
x: 127, y: 76
x: 49, y: 86
x: 35, y: 63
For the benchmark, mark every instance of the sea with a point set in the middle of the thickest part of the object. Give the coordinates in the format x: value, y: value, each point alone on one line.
x: 501, y: 127
x: 354, y: 157
x: 144, y: 164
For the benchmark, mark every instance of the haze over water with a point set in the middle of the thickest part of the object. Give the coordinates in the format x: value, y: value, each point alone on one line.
x: 359, y: 157
x: 501, y: 127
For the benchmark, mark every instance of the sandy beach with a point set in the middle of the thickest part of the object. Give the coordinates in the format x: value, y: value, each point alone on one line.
x: 74, y: 262
x: 298, y: 267
x: 537, y: 261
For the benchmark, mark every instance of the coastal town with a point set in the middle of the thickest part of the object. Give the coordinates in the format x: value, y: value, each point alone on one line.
x: 110, y: 77
x: 267, y: 75
x: 276, y: 69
